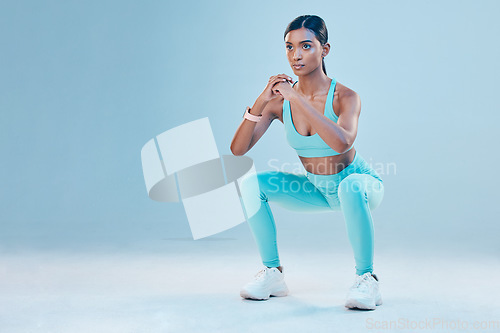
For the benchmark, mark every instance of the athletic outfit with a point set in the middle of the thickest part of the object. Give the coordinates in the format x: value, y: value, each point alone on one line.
x: 312, y: 145
x: 355, y: 191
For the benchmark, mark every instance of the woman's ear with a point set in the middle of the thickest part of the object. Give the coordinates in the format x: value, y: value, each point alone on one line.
x: 326, y: 49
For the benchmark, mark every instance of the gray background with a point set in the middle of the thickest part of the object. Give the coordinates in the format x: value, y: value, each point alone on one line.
x: 84, y: 85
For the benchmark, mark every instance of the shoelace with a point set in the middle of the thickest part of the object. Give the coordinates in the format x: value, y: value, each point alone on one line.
x: 362, y: 281
x: 260, y: 274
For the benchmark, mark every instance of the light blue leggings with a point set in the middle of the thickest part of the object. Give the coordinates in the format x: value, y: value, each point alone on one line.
x: 355, y: 191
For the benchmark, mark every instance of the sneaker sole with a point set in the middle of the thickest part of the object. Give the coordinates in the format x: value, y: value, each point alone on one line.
x: 356, y: 304
x: 279, y: 293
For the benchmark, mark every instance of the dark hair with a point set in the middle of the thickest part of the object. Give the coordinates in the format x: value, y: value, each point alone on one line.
x: 313, y: 23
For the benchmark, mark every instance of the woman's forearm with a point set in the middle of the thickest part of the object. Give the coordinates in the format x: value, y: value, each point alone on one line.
x: 244, y: 134
x: 333, y: 134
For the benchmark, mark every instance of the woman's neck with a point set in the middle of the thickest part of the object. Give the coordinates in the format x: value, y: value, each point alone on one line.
x: 313, y: 84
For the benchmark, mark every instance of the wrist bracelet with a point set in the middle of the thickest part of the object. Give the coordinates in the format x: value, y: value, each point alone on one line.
x: 251, y: 117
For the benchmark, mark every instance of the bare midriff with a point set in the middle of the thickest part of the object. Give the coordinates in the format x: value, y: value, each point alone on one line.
x: 328, y: 165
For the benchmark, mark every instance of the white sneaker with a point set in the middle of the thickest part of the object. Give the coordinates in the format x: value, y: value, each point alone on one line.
x: 364, y: 293
x: 267, y: 282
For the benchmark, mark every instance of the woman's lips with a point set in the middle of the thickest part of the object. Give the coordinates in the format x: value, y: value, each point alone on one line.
x: 298, y: 66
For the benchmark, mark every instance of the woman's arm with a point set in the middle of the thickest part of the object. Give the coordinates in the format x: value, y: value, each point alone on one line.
x: 249, y: 132
x: 341, y: 135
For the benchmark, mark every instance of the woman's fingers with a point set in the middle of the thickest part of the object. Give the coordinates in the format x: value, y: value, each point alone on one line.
x: 275, y: 86
x: 281, y: 76
x: 275, y: 79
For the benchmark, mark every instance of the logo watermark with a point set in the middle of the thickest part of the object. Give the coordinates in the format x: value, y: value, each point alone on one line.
x: 432, y: 324
x: 388, y: 168
x: 286, y: 177
x: 220, y: 192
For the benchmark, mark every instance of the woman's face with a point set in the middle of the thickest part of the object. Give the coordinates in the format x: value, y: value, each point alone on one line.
x: 303, y: 48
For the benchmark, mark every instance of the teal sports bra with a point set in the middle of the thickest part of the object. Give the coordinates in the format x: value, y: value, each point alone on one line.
x: 310, y: 145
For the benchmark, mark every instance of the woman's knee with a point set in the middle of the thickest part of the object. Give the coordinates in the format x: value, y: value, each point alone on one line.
x: 260, y: 183
x: 362, y: 186
x: 352, y: 186
x: 375, y: 193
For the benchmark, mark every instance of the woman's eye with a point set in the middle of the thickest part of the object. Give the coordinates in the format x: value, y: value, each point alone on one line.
x: 307, y: 46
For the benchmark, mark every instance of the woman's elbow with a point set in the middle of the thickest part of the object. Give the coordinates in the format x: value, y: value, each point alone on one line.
x: 236, y: 152
x: 347, y: 146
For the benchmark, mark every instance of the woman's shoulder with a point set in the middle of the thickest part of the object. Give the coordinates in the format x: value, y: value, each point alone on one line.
x: 344, y: 92
x: 345, y: 98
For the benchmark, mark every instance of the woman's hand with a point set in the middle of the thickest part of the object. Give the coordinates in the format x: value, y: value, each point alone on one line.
x: 284, y: 88
x: 271, y: 91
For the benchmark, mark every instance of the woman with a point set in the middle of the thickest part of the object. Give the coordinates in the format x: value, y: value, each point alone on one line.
x: 322, y: 129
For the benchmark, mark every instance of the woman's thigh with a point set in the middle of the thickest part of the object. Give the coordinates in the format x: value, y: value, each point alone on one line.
x: 289, y: 190
x: 362, y: 185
